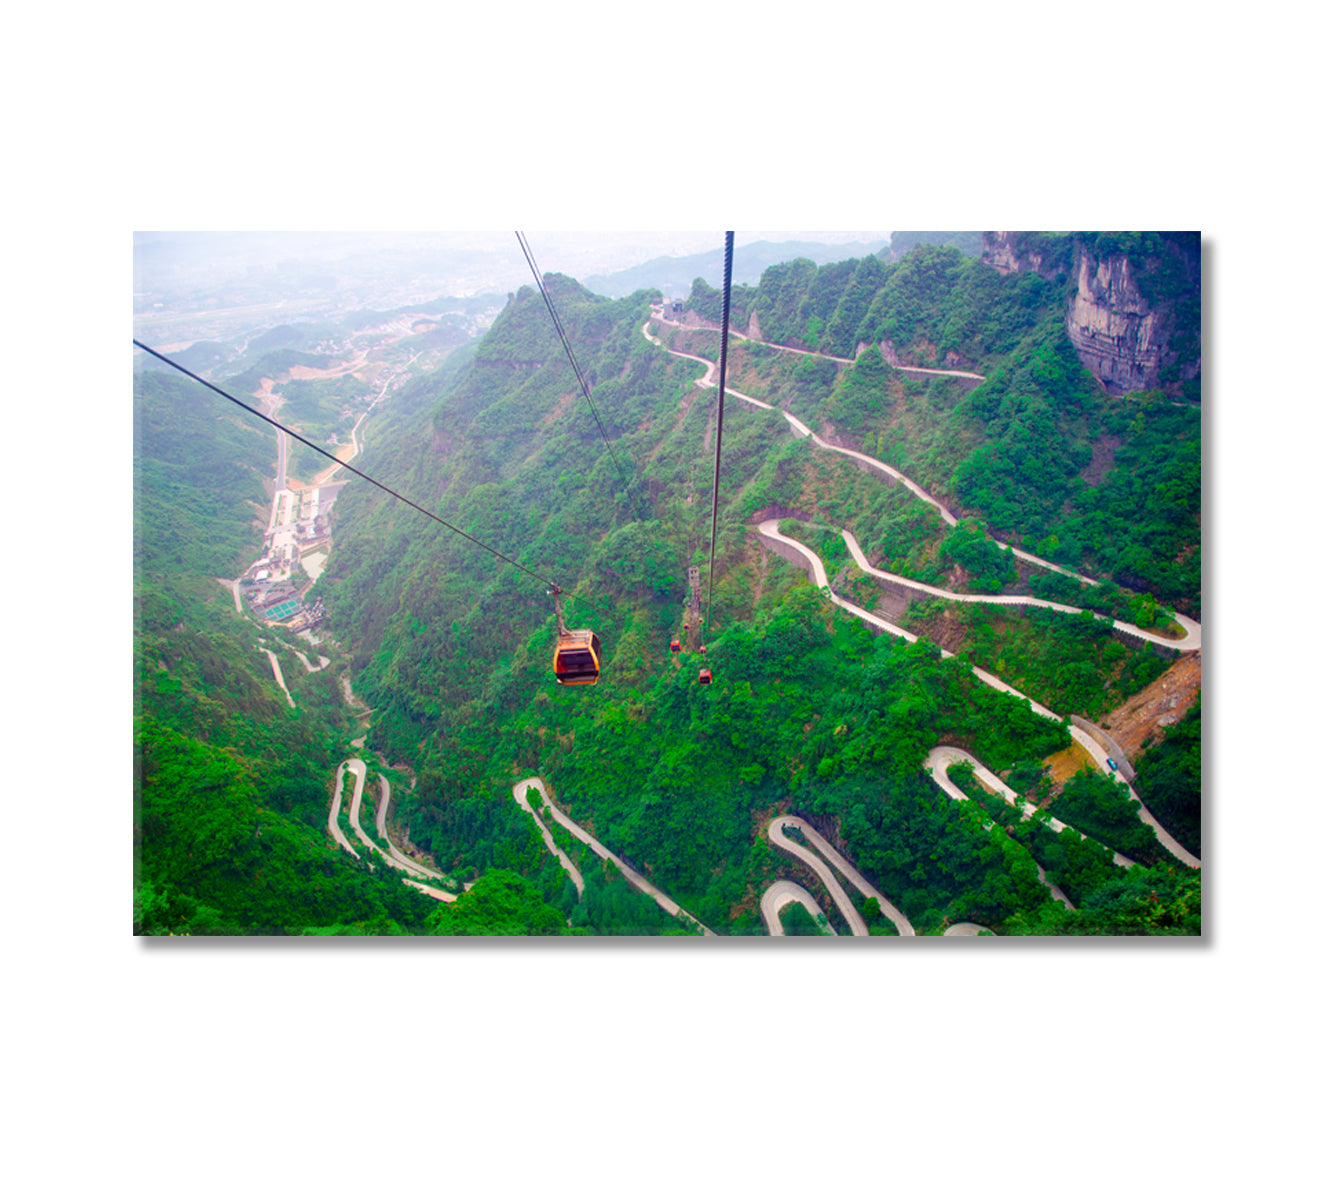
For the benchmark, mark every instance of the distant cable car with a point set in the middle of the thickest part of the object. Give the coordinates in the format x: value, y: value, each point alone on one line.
x: 676, y: 645
x: 578, y: 657
x: 705, y: 675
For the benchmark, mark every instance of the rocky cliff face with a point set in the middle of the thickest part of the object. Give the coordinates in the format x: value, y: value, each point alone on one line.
x: 1127, y: 342
x: 1000, y: 251
x: 1116, y: 333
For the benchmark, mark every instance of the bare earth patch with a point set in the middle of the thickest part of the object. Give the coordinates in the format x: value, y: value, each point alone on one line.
x: 1104, y: 455
x: 1066, y: 764
x: 945, y: 629
x: 563, y: 406
x: 344, y: 368
x: 1140, y: 720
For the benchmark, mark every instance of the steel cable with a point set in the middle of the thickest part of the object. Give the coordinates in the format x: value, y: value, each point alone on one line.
x: 347, y: 466
x: 718, y: 432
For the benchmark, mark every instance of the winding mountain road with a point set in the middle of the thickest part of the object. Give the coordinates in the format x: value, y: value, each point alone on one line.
x: 664, y: 901
x: 521, y: 795
x: 942, y: 758
x: 393, y: 856
x: 1095, y: 752
x: 394, y: 852
x: 334, y: 828
x: 1192, y: 641
x: 814, y: 850
x: 806, y: 852
x: 278, y: 675
x: 777, y: 896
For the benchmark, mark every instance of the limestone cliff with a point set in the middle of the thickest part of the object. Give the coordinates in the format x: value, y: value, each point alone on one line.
x: 1133, y: 318
x: 1009, y: 252
x: 1116, y: 333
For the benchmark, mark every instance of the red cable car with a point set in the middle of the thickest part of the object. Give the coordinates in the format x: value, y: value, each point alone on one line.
x: 676, y: 645
x: 705, y: 675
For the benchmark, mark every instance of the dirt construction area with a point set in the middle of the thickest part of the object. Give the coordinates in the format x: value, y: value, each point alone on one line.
x: 1164, y: 702
x: 1140, y: 720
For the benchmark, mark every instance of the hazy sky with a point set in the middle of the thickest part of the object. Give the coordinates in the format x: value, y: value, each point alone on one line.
x: 305, y: 272
x: 217, y: 256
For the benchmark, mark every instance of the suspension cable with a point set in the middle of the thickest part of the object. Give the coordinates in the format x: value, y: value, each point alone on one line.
x: 347, y: 466
x: 569, y: 353
x: 718, y: 433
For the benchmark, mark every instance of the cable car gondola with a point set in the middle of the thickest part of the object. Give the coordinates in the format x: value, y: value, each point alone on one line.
x: 676, y: 645
x: 578, y: 656
x: 705, y: 675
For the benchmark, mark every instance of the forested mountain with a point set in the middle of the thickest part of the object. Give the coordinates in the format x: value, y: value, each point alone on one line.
x: 809, y: 712
x: 674, y: 275
x: 1038, y: 451
x: 231, y: 783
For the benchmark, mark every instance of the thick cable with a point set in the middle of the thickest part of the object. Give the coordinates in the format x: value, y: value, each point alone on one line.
x: 718, y: 433
x: 347, y: 466
x: 569, y: 353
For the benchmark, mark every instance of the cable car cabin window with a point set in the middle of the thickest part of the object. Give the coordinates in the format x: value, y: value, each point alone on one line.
x: 578, y: 657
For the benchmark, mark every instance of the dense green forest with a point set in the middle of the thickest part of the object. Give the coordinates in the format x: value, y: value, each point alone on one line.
x: 810, y: 713
x: 231, y: 785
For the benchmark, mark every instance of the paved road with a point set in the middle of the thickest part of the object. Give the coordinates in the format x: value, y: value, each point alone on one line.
x: 1192, y: 641
x: 521, y: 795
x: 1095, y: 752
x: 821, y: 579
x: 358, y: 769
x: 664, y: 901
x: 434, y: 893
x: 278, y: 675
x: 399, y: 858
x: 392, y: 856
x: 305, y: 662
x: 942, y: 757
x: 777, y: 835
x: 778, y: 896
x: 742, y: 337
x: 815, y: 842
x: 334, y: 827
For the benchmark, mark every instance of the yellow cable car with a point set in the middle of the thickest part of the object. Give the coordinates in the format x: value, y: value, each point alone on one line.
x: 578, y: 656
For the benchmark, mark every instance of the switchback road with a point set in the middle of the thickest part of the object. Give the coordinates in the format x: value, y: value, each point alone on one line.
x: 393, y: 857
x: 664, y: 901
x: 807, y: 852
x: 777, y: 896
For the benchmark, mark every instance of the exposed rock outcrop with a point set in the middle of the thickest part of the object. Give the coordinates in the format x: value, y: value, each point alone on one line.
x: 1128, y: 341
x: 1115, y: 331
x: 1000, y: 251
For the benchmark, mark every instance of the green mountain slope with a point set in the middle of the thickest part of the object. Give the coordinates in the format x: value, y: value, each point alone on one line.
x: 809, y: 713
x: 232, y: 785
